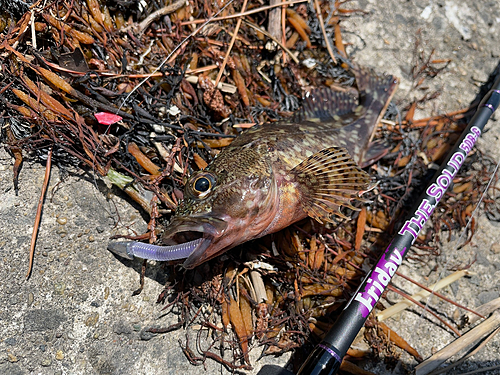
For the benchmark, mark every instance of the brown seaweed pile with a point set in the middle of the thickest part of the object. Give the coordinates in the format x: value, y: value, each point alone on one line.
x: 147, y: 95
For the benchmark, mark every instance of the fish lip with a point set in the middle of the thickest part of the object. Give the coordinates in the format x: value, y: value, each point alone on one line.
x: 194, y: 258
x: 209, y: 228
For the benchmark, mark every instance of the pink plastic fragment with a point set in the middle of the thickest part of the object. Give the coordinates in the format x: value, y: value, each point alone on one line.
x: 106, y: 118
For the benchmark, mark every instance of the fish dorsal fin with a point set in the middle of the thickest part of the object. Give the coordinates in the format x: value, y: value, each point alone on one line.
x: 325, y: 104
x: 327, y: 180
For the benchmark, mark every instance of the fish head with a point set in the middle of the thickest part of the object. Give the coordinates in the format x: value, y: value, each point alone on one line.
x: 232, y: 201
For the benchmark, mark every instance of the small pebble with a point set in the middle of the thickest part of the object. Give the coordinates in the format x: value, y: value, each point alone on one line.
x: 12, y: 357
x: 495, y: 248
x: 46, y: 362
x: 31, y: 298
x: 59, y: 355
x: 62, y: 220
x: 92, y: 320
x: 145, y: 335
x: 59, y: 288
x: 91, y: 238
x: 106, y: 292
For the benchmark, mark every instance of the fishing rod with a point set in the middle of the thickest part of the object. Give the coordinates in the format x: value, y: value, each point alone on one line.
x: 326, y: 357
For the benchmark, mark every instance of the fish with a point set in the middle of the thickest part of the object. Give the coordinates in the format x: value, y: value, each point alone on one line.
x: 275, y: 174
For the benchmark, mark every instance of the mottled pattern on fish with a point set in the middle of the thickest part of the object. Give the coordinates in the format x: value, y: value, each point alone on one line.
x: 273, y: 175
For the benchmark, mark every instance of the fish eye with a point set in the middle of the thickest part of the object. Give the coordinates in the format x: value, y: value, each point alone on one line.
x: 202, y: 185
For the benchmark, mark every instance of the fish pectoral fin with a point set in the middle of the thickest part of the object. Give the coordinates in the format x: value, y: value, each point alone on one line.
x: 328, y: 180
x: 325, y: 104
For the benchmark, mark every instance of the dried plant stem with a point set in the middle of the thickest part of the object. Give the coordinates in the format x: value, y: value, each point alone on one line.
x: 459, y: 362
x: 398, y: 307
x: 233, y: 39
x: 283, y: 30
x: 259, y: 29
x: 160, y: 13
x: 39, y: 212
x: 322, y: 25
x: 274, y: 20
x: 485, y: 309
x: 390, y: 287
x: 440, y: 295
x: 250, y: 12
x: 462, y: 343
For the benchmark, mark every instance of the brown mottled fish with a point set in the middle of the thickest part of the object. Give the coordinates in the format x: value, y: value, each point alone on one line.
x: 276, y: 174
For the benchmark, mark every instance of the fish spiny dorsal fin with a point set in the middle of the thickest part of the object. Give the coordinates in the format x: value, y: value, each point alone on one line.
x: 375, y: 94
x: 325, y: 104
x: 327, y: 180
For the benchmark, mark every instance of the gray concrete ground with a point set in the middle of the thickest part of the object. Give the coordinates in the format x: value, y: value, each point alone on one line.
x: 76, y: 314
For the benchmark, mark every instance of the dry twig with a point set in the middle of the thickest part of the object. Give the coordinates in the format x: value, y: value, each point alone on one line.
x: 36, y: 225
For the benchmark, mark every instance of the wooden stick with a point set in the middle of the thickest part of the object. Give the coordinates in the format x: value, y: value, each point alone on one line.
x: 274, y: 21
x: 462, y: 343
x: 485, y: 309
x: 459, y: 362
x: 39, y: 212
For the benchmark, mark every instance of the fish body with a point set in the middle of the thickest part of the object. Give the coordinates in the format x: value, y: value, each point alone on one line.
x: 275, y: 174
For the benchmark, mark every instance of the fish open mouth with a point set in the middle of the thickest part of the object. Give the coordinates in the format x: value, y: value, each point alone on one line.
x: 195, y: 233
x: 183, y: 239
